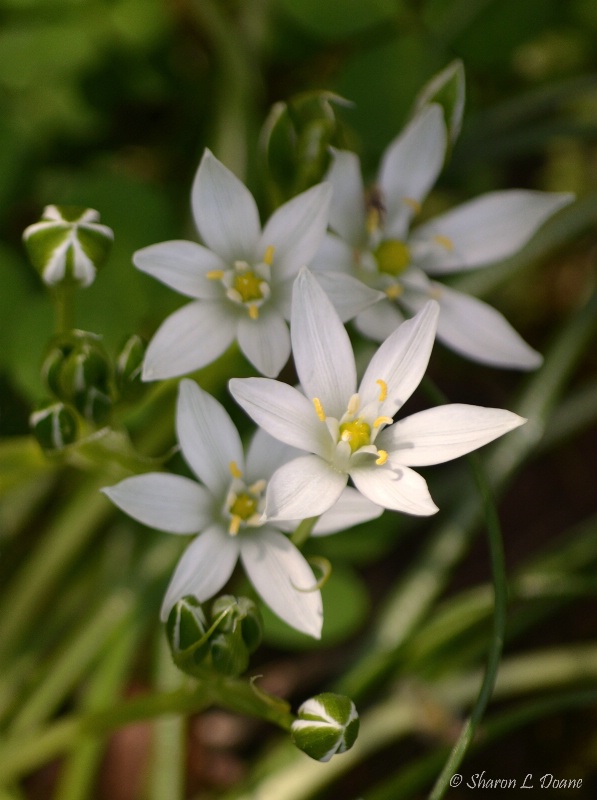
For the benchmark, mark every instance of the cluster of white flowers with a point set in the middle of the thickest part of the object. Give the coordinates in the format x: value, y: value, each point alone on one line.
x: 247, y: 283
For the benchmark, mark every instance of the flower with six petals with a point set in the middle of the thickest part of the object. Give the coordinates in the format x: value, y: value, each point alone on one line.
x: 372, y: 240
x: 351, y: 433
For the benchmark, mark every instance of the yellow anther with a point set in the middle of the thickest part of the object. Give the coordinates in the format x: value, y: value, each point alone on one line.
x: 412, y: 203
x: 215, y: 274
x: 269, y: 255
x: 444, y: 241
x: 254, y: 312
x: 346, y: 436
x: 382, y: 457
x: 373, y: 220
x: 382, y: 421
x: 234, y: 525
x: 258, y: 486
x: 319, y: 409
x: 383, y: 389
x: 234, y: 470
x: 394, y: 291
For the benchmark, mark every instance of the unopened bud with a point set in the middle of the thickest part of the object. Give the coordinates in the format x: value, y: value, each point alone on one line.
x: 229, y: 653
x: 186, y: 628
x: 54, y: 426
x: 129, y: 365
x: 239, y: 614
x: 68, y: 244
x: 327, y: 724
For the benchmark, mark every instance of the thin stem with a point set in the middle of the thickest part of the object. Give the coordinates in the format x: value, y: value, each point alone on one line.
x: 303, y: 531
x: 65, y: 307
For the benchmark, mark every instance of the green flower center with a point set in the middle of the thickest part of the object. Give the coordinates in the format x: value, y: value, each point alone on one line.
x: 357, y: 433
x: 244, y: 506
x: 392, y: 256
x: 248, y: 285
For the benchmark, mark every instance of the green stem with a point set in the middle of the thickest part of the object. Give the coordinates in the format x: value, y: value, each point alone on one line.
x: 65, y: 307
x: 303, y: 531
x: 21, y: 754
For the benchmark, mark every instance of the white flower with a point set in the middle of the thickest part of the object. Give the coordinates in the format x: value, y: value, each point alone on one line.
x: 241, y: 280
x: 372, y: 241
x: 226, y: 511
x: 350, y: 433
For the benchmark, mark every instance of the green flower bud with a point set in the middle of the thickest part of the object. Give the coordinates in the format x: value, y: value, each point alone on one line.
x: 185, y: 628
x: 129, y: 364
x: 296, y: 138
x: 229, y: 653
x: 241, y: 614
x: 68, y: 245
x: 78, y: 371
x: 54, y: 426
x: 327, y: 724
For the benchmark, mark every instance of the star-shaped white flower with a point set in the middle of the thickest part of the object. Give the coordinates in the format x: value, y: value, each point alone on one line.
x: 350, y: 433
x: 226, y: 511
x: 372, y: 240
x: 240, y: 279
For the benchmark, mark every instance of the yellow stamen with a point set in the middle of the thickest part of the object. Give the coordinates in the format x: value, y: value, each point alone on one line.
x: 215, y: 274
x: 383, y: 390
x: 234, y: 470
x: 234, y: 525
x: 319, y: 409
x: 393, y: 292
x: 258, y: 486
x: 253, y: 312
x: 346, y: 436
x: 373, y: 220
x: 412, y: 203
x: 382, y: 421
x: 444, y: 241
x: 383, y: 457
x: 269, y: 255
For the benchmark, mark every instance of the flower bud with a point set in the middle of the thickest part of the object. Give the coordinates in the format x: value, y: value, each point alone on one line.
x: 447, y: 88
x: 327, y: 724
x: 54, y: 426
x: 185, y: 628
x: 68, y: 245
x: 129, y: 364
x: 229, y: 653
x: 241, y: 613
x: 296, y: 138
x: 78, y: 371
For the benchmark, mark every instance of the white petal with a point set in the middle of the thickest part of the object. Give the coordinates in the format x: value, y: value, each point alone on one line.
x: 296, y: 230
x: 305, y: 487
x: 479, y: 332
x: 443, y: 433
x: 488, y: 228
x: 334, y: 255
x: 453, y: 77
x: 349, y: 296
x: 182, y: 266
x: 347, y: 209
x: 351, y: 509
x: 189, y: 339
x: 283, y: 579
x: 282, y: 411
x: 401, y: 361
x: 265, y: 341
x: 397, y: 488
x: 208, y: 438
x: 225, y: 211
x: 265, y: 454
x: 379, y: 321
x: 203, y: 569
x: 163, y: 501
x: 410, y: 166
x: 322, y: 351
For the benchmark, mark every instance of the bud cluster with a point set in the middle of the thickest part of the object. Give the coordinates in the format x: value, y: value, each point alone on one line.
x: 224, y: 642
